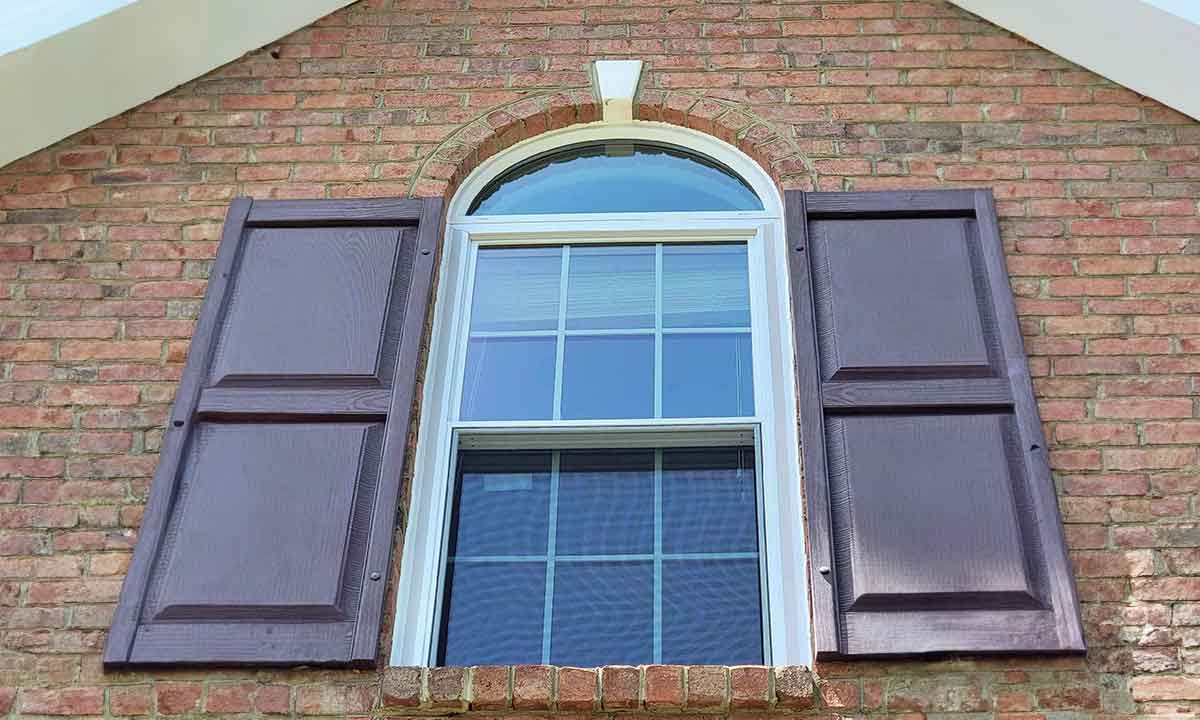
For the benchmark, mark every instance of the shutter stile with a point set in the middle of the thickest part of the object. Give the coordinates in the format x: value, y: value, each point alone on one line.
x: 268, y: 530
x: 933, y: 519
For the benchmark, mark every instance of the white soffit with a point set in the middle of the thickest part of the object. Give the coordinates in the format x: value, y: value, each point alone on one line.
x: 66, y: 65
x: 1149, y: 46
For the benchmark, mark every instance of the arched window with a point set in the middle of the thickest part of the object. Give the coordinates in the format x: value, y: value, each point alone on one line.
x: 615, y: 176
x: 606, y: 471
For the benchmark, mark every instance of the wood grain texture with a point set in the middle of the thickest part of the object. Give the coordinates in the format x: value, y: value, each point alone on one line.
x: 825, y: 629
x: 919, y: 393
x: 308, y: 213
x: 891, y: 203
x: 226, y: 402
x: 305, y: 308
x: 928, y: 486
x: 269, y: 533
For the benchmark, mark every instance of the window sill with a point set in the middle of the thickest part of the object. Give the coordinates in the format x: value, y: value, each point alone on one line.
x: 710, y: 688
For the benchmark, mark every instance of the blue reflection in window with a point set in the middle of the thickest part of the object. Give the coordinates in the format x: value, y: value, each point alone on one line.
x: 615, y: 177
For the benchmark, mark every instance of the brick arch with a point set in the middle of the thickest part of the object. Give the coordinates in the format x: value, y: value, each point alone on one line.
x: 499, y: 128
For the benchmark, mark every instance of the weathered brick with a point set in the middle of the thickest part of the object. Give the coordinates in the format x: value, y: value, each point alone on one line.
x: 532, y: 687
x: 576, y: 689
x: 620, y: 687
x: 664, y: 686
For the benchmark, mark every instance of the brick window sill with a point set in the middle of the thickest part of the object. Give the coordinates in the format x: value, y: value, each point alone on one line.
x: 708, y: 688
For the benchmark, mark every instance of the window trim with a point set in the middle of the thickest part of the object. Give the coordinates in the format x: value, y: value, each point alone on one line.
x: 786, y: 599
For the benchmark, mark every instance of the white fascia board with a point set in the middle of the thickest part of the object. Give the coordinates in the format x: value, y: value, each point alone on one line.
x: 1137, y: 43
x: 73, y: 79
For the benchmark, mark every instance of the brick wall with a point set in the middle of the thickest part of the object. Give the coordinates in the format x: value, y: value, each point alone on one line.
x: 106, y: 239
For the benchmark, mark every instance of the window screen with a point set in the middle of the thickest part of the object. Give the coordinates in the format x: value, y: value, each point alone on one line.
x: 590, y: 332
x: 600, y: 557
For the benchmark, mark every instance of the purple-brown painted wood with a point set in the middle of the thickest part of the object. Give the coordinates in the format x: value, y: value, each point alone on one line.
x: 933, y: 523
x: 268, y: 532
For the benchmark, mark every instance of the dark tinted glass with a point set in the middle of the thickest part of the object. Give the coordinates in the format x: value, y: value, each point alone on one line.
x: 603, y: 614
x: 615, y: 177
x: 479, y: 595
x: 502, y: 504
x: 606, y: 502
x: 709, y: 501
x: 712, y: 612
x: 567, y: 557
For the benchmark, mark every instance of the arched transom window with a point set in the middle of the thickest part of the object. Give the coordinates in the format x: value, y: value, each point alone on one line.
x: 606, y: 472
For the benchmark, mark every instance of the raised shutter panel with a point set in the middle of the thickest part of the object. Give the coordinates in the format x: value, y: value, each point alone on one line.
x: 934, y: 524
x: 269, y: 526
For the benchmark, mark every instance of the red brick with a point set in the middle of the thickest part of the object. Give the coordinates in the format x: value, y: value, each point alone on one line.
x: 576, y: 689
x: 273, y: 699
x: 177, y: 698
x: 794, y: 688
x: 230, y: 698
x: 532, y: 687
x: 749, y: 687
x: 70, y: 701
x: 129, y: 700
x: 489, y: 687
x: 1136, y: 408
x: 664, y: 686
x: 335, y: 699
x: 447, y: 688
x: 1165, y: 688
x: 620, y: 687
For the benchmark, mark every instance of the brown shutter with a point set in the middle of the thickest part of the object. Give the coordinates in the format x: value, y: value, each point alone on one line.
x: 934, y: 525
x: 267, y: 535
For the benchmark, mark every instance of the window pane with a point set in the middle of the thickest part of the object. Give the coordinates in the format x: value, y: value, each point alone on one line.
x: 707, y: 375
x: 709, y: 501
x: 509, y: 379
x: 516, y: 289
x: 638, y: 534
x: 611, y: 288
x: 610, y: 376
x: 502, y: 505
x: 705, y: 286
x: 606, y: 502
x: 615, y: 177
x: 603, y: 614
x: 712, y: 613
x: 477, y: 597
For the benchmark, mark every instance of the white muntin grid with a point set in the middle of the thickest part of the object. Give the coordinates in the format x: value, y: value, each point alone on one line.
x: 698, y: 427
x: 561, y: 333
x: 771, y: 430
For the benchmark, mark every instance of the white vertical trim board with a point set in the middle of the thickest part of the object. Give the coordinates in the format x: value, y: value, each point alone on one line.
x: 772, y: 430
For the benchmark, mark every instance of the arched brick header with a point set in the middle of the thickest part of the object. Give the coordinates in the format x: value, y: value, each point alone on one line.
x: 502, y: 127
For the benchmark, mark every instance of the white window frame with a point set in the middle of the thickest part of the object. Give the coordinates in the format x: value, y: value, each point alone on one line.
x: 773, y: 428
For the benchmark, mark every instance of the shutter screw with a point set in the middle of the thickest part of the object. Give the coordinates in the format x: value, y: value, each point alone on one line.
x: 824, y: 569
x: 425, y: 251
x: 375, y: 576
x: 799, y: 248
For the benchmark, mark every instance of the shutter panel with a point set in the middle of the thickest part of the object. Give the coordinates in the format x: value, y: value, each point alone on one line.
x: 268, y: 531
x: 934, y: 525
